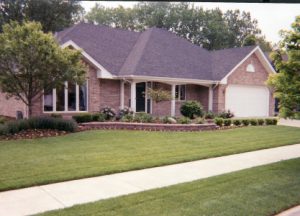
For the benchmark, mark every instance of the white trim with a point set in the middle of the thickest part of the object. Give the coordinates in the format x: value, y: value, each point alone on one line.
x: 257, y: 48
x: 173, y: 101
x: 66, y: 96
x: 170, y: 80
x: 210, y: 98
x: 122, y: 94
x: 133, y: 96
x: 101, y: 72
x: 179, y: 92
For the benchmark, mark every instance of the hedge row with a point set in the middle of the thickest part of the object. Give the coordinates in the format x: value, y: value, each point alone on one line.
x: 245, y: 122
x: 14, y: 127
x: 89, y: 117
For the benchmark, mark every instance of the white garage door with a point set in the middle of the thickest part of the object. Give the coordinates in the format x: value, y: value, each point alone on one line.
x: 247, y: 101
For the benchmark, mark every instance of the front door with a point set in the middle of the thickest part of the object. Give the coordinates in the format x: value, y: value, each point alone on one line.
x: 140, y: 97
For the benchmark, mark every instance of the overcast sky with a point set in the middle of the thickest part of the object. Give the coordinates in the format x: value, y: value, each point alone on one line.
x: 271, y: 17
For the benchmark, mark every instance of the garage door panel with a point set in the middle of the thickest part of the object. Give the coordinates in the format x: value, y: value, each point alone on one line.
x: 247, y: 101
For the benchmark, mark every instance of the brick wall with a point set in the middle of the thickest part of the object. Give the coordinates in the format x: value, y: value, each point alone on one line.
x: 110, y: 93
x: 241, y: 76
x: 9, y: 107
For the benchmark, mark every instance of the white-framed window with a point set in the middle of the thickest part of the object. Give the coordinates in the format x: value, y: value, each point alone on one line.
x: 250, y: 68
x: 70, y: 97
x: 180, y: 92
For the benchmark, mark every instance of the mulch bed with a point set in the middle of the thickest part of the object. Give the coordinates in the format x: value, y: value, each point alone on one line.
x: 33, y: 134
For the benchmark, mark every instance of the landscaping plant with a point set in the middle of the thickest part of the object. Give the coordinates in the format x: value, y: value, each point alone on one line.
x: 237, y: 122
x: 192, y: 109
x: 109, y: 112
x: 184, y: 120
x: 245, y: 122
x: 227, y: 122
x: 143, y: 117
x: 209, y: 115
x: 81, y: 118
x: 260, y: 121
x: 253, y: 122
x: 219, y: 121
x: 226, y: 114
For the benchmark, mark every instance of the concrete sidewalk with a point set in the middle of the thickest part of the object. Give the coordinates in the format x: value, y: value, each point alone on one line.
x: 289, y: 122
x: 60, y: 195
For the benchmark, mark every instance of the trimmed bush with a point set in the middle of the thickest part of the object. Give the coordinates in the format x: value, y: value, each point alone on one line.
x: 245, y: 122
x: 184, y: 120
x: 143, y: 117
x: 271, y: 121
x: 99, y: 117
x: 209, y: 115
x: 237, y: 122
x: 14, y: 127
x: 219, y: 121
x: 253, y: 122
x: 260, y: 121
x: 2, y: 120
x: 127, y: 118
x: 227, y: 122
x: 56, y: 115
x: 226, y: 114
x: 81, y: 118
x: 191, y: 109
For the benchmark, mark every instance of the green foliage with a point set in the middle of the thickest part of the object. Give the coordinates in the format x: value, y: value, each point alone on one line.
x: 226, y: 114
x: 227, y: 122
x: 219, y: 121
x: 199, y: 120
x: 252, y: 40
x: 253, y: 122
x: 260, y: 121
x: 159, y: 95
x: 32, y: 61
x: 245, y: 122
x: 84, y: 117
x: 99, y: 117
x: 108, y: 112
x: 53, y: 15
x: 166, y: 120
x: 184, y: 120
x: 237, y: 122
x: 191, y: 109
x: 14, y: 127
x: 209, y: 28
x: 127, y: 118
x: 125, y: 111
x: 271, y: 121
x: 286, y: 83
x: 2, y: 120
x: 143, y: 117
x: 209, y: 115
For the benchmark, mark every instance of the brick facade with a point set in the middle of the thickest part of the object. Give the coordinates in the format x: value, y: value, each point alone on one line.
x: 242, y: 77
x: 9, y: 107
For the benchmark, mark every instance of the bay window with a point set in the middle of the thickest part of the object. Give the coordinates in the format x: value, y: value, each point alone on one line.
x: 68, y: 97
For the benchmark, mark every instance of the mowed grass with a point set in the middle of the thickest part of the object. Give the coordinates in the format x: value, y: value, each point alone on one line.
x: 264, y: 190
x: 26, y: 163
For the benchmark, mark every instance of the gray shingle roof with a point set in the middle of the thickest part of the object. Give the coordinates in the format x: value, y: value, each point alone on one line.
x: 154, y: 52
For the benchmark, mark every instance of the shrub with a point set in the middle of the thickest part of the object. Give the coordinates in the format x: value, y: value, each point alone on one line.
x: 2, y: 120
x: 260, y: 121
x: 253, y: 122
x: 226, y: 114
x: 127, y: 118
x: 100, y: 117
x: 85, y: 117
x: 191, y: 109
x: 297, y: 115
x: 245, y: 122
x: 237, y: 122
x: 219, y: 121
x: 38, y: 123
x: 124, y: 111
x: 184, y: 120
x: 271, y: 121
x: 166, y: 120
x: 227, y: 122
x: 56, y: 115
x: 109, y: 112
x: 143, y: 117
x: 199, y: 120
x: 209, y: 115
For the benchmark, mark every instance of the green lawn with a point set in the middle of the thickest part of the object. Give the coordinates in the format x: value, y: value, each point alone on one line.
x: 264, y: 190
x: 25, y: 163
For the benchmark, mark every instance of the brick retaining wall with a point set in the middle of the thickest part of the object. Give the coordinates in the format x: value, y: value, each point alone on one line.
x: 148, y: 126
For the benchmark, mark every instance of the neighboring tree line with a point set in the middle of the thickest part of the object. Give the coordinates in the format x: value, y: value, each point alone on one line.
x: 211, y: 29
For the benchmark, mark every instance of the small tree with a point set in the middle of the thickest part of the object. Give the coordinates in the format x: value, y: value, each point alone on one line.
x: 159, y: 95
x: 286, y: 83
x: 32, y: 61
x: 191, y: 109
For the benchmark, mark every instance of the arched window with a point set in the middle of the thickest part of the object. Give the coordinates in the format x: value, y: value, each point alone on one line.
x: 250, y: 68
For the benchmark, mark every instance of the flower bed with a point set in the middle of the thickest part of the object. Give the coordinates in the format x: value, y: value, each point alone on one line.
x: 33, y: 134
x: 146, y: 126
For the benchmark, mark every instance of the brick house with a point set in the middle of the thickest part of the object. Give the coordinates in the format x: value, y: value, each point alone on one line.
x: 124, y: 64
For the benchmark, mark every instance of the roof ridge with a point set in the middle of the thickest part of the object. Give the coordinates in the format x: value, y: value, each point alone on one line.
x: 67, y: 31
x: 143, y: 39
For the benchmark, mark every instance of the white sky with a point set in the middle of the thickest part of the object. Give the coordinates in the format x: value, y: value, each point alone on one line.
x: 271, y: 17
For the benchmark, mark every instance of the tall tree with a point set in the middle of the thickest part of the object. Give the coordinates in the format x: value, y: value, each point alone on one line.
x: 286, y: 83
x: 251, y: 40
x: 32, y: 61
x: 211, y: 29
x: 54, y: 15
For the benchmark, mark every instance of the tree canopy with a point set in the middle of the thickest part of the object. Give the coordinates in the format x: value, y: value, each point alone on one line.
x: 211, y: 29
x: 54, y: 15
x: 32, y: 61
x: 286, y: 83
